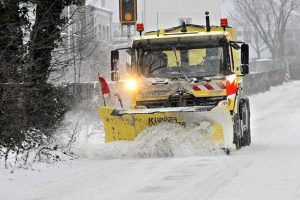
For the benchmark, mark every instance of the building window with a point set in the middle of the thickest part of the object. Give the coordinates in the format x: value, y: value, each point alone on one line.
x: 104, y: 35
x: 103, y: 3
x: 100, y: 32
x: 247, y: 36
x: 107, y: 33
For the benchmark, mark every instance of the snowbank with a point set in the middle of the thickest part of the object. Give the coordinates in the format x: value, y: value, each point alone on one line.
x: 163, y: 140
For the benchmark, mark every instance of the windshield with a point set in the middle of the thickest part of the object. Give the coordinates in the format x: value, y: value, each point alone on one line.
x: 176, y: 60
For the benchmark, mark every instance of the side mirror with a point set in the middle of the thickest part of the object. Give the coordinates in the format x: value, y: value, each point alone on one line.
x: 244, y: 69
x: 114, y: 67
x: 245, y: 54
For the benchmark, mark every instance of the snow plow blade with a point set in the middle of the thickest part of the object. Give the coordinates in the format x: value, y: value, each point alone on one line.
x: 127, y: 124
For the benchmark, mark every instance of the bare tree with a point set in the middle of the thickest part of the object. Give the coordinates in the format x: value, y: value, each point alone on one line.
x: 79, y: 44
x: 30, y: 107
x: 251, y: 34
x: 269, y: 19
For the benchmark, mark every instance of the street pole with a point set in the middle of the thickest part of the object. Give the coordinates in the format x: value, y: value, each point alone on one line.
x: 128, y: 32
x: 144, y: 14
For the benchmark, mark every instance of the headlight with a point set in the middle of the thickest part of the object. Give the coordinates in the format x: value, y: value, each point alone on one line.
x: 131, y: 85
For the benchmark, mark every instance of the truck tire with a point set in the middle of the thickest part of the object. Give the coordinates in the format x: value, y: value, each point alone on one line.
x: 245, y: 121
x: 237, y: 140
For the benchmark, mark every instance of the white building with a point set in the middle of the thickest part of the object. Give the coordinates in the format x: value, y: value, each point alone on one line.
x: 103, y: 23
x: 86, y: 42
x: 168, y: 13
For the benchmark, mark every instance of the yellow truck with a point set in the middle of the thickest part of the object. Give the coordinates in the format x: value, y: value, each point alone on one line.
x: 185, y: 75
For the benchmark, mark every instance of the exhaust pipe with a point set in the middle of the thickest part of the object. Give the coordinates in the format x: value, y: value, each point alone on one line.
x: 208, y: 27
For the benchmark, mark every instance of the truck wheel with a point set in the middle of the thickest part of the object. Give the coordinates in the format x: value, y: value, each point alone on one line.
x: 237, y: 141
x: 245, y: 113
x: 237, y: 132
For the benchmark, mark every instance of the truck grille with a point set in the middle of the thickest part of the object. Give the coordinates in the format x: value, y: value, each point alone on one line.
x: 184, y: 100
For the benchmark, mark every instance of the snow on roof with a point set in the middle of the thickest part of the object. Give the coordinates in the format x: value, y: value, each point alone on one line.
x: 95, y: 4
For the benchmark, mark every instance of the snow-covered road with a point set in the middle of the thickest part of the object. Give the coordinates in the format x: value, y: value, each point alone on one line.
x: 268, y: 169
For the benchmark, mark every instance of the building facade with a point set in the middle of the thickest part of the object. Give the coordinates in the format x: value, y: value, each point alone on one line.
x: 103, y: 23
x: 85, y: 40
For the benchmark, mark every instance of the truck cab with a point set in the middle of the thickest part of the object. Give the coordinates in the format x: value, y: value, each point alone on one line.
x: 186, y: 59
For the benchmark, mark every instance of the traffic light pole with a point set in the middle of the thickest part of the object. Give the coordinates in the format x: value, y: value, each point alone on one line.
x: 128, y: 15
x: 128, y: 32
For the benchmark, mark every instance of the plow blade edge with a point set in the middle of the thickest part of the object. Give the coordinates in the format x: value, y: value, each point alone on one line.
x: 127, y: 124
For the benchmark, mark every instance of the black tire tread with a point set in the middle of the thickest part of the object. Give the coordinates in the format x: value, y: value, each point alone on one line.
x: 246, y: 140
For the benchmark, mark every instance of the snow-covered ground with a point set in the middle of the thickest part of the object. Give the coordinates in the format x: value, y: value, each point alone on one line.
x: 268, y: 169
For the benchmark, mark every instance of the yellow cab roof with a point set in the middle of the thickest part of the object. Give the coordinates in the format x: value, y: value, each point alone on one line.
x: 192, y: 31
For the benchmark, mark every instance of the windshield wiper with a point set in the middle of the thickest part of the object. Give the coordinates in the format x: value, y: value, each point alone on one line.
x: 177, y: 63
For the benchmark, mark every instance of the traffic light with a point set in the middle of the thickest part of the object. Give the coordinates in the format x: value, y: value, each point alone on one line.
x: 128, y: 11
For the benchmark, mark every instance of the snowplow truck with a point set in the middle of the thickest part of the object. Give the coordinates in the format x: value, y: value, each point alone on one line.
x: 186, y: 75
